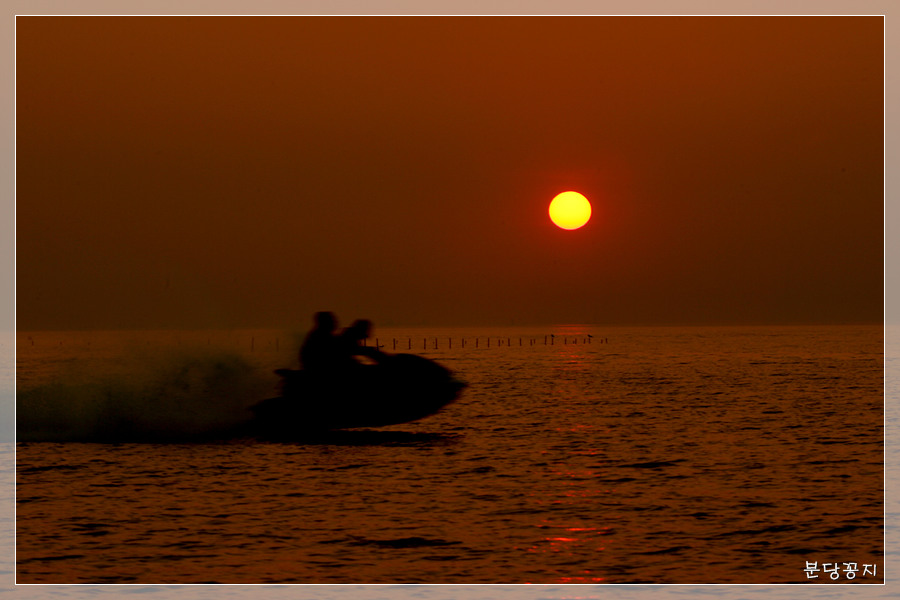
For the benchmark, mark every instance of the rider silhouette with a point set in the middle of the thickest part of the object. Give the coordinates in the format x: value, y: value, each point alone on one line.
x: 351, y: 343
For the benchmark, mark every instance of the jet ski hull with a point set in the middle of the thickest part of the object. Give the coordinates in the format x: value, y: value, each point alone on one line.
x: 399, y: 389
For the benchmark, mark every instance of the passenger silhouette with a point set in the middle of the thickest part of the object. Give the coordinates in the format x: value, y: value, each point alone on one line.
x: 321, y: 350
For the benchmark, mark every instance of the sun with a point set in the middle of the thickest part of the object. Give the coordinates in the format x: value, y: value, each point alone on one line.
x: 570, y: 210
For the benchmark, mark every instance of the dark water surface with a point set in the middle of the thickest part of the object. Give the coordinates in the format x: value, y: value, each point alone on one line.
x: 699, y: 455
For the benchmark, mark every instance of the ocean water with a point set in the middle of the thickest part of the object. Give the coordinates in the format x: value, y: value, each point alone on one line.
x: 635, y: 456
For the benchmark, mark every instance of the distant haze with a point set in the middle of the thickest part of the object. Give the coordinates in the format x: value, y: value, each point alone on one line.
x: 194, y: 172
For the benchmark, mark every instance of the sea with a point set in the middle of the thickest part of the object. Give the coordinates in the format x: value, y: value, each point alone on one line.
x: 581, y: 458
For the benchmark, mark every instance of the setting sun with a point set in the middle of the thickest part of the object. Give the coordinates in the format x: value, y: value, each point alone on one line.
x: 570, y: 210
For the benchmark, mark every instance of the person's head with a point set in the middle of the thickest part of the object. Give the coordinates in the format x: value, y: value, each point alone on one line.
x: 360, y: 329
x: 325, y: 321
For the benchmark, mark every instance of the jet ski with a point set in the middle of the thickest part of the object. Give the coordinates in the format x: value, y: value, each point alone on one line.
x: 400, y: 388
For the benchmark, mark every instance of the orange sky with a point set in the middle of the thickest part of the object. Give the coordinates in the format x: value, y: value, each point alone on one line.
x: 246, y: 171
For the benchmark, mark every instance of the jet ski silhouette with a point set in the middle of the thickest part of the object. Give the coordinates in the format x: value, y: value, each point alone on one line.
x: 342, y: 394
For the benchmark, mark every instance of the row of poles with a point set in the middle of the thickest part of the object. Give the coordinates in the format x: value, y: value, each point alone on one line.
x: 549, y: 340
